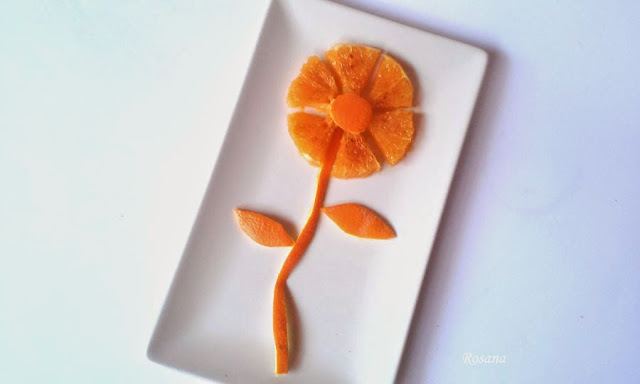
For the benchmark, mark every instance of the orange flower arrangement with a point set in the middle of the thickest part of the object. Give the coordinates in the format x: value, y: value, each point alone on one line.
x: 377, y: 111
x: 353, y: 107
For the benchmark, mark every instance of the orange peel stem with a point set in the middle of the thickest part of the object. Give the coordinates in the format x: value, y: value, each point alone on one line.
x: 279, y: 304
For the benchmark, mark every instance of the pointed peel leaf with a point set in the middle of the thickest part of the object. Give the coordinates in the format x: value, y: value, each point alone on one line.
x: 262, y: 229
x: 360, y: 221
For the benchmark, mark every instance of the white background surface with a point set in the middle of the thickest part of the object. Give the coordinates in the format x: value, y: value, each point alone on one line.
x: 104, y: 157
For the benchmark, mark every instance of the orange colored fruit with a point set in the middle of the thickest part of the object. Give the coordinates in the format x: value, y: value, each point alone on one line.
x: 314, y: 87
x: 353, y: 65
x: 280, y: 333
x: 391, y: 87
x: 355, y: 158
x: 360, y: 221
x: 392, y: 132
x: 335, y: 90
x: 351, y: 112
x: 311, y: 134
x: 262, y: 229
x: 336, y: 143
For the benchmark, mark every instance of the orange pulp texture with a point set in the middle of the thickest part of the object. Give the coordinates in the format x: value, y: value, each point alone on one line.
x: 361, y: 91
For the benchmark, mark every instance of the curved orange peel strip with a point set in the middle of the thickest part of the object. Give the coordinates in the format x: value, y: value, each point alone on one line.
x: 279, y: 304
x: 262, y: 229
x: 360, y: 221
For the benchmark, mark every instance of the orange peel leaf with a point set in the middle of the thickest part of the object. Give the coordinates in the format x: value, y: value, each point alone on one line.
x: 262, y: 229
x: 360, y: 221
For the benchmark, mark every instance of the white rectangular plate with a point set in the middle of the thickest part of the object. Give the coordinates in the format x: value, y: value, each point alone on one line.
x: 353, y: 298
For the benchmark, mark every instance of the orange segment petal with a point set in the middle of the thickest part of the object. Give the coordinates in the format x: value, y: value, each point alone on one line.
x: 392, y: 132
x: 262, y: 229
x: 391, y: 87
x: 354, y: 158
x: 360, y: 221
x: 353, y: 64
x: 314, y: 87
x: 311, y: 134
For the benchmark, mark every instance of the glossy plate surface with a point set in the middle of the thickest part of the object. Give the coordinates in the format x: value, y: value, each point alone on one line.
x: 353, y: 298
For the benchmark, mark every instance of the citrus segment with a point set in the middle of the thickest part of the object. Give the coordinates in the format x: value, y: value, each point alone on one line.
x: 360, y: 221
x: 280, y: 333
x: 311, y: 134
x: 351, y: 112
x: 353, y: 64
x: 314, y: 87
x: 392, y: 133
x: 354, y: 158
x: 262, y: 229
x: 391, y: 87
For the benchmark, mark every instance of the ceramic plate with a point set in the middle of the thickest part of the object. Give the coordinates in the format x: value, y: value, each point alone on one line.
x: 354, y: 298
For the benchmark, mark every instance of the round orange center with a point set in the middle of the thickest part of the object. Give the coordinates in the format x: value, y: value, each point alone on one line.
x: 351, y: 112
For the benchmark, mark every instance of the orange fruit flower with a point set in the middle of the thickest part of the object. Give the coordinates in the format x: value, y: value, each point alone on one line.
x: 359, y: 105
x: 368, y: 104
